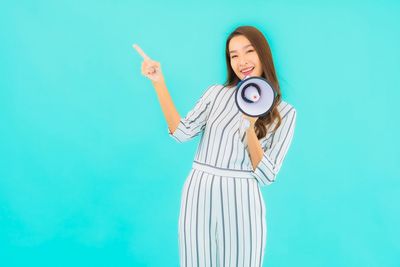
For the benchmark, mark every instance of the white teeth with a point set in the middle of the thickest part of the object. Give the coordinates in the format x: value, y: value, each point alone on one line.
x: 246, y: 70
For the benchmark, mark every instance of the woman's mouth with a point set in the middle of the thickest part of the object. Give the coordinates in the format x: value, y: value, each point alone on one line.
x: 247, y: 71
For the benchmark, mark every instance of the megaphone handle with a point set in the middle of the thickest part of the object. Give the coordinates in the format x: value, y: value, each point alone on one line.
x: 246, y: 123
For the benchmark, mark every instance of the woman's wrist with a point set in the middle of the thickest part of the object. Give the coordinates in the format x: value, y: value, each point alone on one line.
x: 159, y: 85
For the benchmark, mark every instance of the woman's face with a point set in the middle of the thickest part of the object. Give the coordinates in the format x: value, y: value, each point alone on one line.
x: 243, y: 57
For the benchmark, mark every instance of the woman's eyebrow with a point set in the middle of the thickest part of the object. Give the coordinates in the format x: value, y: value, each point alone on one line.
x: 242, y: 48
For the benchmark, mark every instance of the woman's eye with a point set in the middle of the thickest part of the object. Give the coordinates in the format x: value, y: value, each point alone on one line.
x: 247, y: 51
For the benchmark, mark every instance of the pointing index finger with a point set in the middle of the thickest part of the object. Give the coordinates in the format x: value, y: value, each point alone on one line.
x: 141, y: 52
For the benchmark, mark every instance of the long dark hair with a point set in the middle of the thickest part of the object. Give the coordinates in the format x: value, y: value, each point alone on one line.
x: 263, y: 50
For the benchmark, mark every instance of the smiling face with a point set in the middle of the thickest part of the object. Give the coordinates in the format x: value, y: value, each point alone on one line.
x: 243, y: 57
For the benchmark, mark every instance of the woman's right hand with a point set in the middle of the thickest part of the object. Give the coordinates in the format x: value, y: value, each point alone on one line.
x: 150, y: 68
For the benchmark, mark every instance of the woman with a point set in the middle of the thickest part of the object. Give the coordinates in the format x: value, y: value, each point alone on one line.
x: 222, y: 216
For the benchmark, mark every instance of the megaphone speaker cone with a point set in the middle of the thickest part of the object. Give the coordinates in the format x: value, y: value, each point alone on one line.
x: 254, y: 96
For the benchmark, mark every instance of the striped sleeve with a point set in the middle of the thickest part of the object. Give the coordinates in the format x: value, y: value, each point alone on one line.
x: 195, y: 120
x: 274, y: 154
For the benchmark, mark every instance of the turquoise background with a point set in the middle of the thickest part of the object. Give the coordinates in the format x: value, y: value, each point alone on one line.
x: 90, y: 177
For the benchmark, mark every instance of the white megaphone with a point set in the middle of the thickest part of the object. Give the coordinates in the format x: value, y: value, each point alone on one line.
x: 254, y: 96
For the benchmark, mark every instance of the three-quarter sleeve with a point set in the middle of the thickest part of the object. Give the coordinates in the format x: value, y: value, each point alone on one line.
x: 195, y: 120
x: 275, y: 151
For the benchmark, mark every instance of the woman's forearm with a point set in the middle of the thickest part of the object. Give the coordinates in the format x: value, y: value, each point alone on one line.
x: 167, y: 105
x: 254, y: 147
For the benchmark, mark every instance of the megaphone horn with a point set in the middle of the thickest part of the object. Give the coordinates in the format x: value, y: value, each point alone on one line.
x: 254, y: 96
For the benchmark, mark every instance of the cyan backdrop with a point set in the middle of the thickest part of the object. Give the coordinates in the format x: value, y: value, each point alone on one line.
x: 90, y: 177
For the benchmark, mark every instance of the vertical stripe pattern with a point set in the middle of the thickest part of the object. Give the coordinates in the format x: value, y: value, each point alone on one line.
x: 223, y: 143
x: 222, y: 219
x: 221, y: 222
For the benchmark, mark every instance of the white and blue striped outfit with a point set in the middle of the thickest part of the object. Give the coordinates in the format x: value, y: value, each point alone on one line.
x: 222, y: 216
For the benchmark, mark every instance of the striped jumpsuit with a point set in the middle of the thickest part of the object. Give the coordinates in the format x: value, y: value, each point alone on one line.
x: 222, y: 219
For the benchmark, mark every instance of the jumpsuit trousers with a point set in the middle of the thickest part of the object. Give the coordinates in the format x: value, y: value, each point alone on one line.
x: 222, y: 219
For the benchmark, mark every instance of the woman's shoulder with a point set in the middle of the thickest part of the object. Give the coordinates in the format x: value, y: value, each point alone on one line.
x: 219, y: 86
x: 285, y: 107
x: 213, y: 89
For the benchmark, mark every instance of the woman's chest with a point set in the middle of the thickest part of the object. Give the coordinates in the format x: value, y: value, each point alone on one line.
x: 226, y: 120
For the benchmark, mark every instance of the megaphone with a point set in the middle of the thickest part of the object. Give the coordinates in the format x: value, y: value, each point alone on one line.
x: 255, y: 96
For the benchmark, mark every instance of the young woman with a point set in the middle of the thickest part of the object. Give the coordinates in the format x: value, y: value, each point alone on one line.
x: 222, y: 216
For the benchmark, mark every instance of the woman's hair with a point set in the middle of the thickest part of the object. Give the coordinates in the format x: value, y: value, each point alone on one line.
x: 263, y: 50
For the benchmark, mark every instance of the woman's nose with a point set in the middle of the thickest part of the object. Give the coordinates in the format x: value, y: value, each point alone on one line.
x: 243, y: 65
x: 242, y: 62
